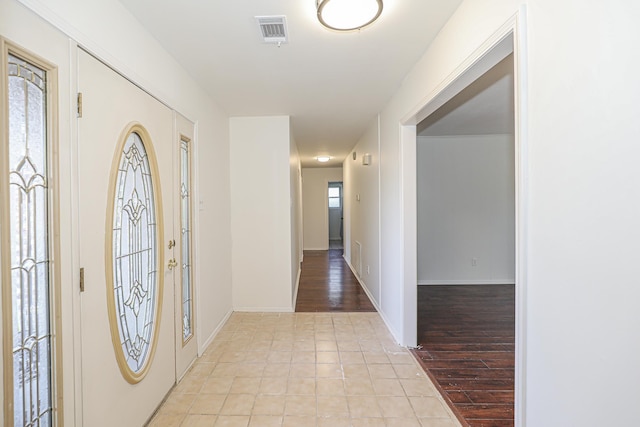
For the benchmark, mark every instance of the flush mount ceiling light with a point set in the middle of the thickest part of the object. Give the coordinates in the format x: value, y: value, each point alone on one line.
x: 323, y: 159
x: 348, y: 15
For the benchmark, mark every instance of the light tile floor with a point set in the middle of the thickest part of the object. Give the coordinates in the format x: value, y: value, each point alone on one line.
x: 305, y: 369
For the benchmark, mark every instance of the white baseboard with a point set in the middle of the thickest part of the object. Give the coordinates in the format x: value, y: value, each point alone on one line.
x: 466, y: 282
x: 374, y: 302
x: 203, y: 346
x: 326, y: 248
x: 348, y: 261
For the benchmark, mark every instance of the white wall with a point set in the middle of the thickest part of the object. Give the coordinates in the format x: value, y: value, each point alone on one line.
x: 583, y: 238
x: 315, y: 205
x: 295, y: 188
x: 362, y: 204
x: 261, y: 213
x: 466, y: 209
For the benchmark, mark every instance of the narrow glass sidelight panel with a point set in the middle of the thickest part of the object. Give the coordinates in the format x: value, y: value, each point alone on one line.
x: 134, y: 256
x: 185, y: 226
x: 29, y: 245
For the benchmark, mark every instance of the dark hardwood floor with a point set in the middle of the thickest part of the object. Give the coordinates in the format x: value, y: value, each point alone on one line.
x: 467, y: 334
x: 327, y: 284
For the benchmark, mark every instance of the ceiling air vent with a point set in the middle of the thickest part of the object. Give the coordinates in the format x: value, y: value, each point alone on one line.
x: 273, y: 28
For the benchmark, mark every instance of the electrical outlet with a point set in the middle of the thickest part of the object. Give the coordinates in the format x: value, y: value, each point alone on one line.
x: 474, y: 262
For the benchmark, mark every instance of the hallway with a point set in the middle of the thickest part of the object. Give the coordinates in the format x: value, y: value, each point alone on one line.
x: 328, y: 284
x: 321, y: 366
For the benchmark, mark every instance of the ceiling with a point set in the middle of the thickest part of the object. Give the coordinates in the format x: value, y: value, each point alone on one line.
x: 485, y: 107
x: 331, y: 84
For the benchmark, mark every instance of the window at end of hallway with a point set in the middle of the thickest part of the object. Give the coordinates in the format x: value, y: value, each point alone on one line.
x: 334, y: 197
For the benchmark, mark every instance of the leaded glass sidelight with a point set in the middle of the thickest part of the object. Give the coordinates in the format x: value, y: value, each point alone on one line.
x: 135, y: 274
x: 29, y: 245
x: 185, y: 222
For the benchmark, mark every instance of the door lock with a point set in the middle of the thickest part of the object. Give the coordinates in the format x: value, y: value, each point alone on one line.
x: 172, y: 264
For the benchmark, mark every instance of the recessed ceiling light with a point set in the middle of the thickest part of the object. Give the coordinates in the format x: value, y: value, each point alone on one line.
x: 323, y: 159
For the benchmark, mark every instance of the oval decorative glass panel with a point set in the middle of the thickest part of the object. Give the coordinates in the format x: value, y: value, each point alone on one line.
x: 134, y: 276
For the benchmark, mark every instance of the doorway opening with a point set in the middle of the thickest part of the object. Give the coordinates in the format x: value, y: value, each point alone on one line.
x: 505, y: 42
x: 466, y: 248
x: 335, y: 215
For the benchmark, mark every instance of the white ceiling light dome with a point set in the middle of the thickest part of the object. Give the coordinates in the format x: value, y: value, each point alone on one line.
x: 323, y: 159
x: 348, y: 15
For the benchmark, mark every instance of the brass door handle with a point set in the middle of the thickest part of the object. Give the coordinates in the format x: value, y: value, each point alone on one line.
x: 172, y: 264
x: 172, y: 243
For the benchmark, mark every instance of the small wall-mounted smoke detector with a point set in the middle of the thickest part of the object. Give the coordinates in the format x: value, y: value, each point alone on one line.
x: 273, y: 28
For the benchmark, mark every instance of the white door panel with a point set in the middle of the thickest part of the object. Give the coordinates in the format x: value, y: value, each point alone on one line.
x: 110, y: 103
x: 186, y: 337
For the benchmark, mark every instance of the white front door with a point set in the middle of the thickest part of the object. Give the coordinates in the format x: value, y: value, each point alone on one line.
x: 128, y: 353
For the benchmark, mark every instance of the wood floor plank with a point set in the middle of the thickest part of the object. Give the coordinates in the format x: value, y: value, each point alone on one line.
x: 490, y: 396
x: 327, y: 284
x: 467, y: 339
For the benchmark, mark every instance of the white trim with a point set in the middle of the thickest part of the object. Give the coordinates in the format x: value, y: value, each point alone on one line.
x: 325, y: 199
x: 409, y: 226
x: 379, y: 142
x: 316, y: 249
x: 196, y: 239
x: 74, y: 69
x: 491, y: 52
x: 522, y: 207
x: 466, y: 282
x: 205, y: 343
x: 295, y: 292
